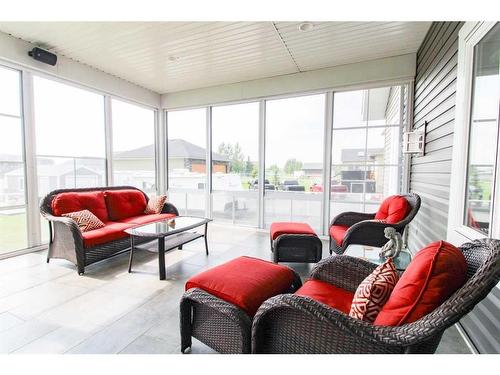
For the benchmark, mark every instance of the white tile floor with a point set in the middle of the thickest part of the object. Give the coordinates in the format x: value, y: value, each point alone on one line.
x: 48, y: 308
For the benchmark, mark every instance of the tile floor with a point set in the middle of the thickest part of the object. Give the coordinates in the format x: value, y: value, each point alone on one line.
x: 48, y: 308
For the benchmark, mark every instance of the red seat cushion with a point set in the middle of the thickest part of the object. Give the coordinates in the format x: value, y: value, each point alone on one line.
x: 111, y: 232
x: 337, y: 232
x: 64, y: 203
x: 125, y: 203
x: 435, y: 273
x: 327, y: 294
x: 245, y: 282
x: 279, y: 228
x: 393, y: 209
x: 144, y: 219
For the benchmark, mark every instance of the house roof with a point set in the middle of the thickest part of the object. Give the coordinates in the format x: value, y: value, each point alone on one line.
x: 177, y: 148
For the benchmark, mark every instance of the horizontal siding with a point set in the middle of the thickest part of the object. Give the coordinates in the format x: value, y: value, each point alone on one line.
x: 483, y: 324
x: 434, y: 102
x: 430, y: 175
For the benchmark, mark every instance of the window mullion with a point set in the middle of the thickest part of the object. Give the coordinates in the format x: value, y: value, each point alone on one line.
x: 108, y: 134
x: 31, y: 181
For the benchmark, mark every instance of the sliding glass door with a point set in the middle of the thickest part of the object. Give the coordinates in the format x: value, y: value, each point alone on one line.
x: 187, y: 154
x: 70, y: 138
x: 294, y: 160
x: 13, y: 226
x: 134, y: 151
x: 366, y: 149
x: 235, y: 166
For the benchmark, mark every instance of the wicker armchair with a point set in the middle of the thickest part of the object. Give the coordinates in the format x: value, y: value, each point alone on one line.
x: 65, y: 237
x: 295, y: 324
x: 364, y: 230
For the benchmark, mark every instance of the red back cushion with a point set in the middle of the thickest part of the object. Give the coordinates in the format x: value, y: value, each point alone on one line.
x: 393, y: 209
x: 124, y: 203
x: 245, y: 282
x: 93, y: 201
x: 435, y: 273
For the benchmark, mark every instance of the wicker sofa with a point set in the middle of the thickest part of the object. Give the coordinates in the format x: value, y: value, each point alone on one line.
x: 119, y: 207
x: 290, y: 323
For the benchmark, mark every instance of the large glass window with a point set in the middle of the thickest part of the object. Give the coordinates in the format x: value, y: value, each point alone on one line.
x: 235, y: 152
x: 366, y: 149
x: 70, y: 137
x: 187, y: 160
x: 294, y: 159
x: 13, y: 233
x: 483, y: 132
x: 133, y: 146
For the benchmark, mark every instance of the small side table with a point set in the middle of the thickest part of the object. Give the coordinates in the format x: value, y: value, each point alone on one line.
x: 371, y: 254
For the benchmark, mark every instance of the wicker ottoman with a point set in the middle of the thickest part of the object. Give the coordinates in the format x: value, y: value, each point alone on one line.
x: 219, y: 304
x: 295, y: 242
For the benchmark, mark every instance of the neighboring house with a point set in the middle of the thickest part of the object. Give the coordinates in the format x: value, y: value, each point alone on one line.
x: 53, y: 176
x: 312, y: 169
x: 181, y: 155
x: 357, y: 156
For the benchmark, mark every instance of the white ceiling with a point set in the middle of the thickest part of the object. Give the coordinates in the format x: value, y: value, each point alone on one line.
x: 174, y: 56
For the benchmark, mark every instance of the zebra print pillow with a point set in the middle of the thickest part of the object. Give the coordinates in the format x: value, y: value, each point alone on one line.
x: 374, y: 291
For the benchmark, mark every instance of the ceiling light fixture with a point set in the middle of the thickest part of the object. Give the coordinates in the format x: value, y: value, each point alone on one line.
x: 306, y: 26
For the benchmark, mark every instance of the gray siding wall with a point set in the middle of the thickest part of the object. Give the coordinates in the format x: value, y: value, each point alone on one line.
x: 434, y: 102
x: 435, y: 87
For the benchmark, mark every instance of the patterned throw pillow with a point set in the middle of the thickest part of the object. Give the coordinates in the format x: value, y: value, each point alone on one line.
x: 86, y: 220
x: 155, y: 204
x: 374, y: 291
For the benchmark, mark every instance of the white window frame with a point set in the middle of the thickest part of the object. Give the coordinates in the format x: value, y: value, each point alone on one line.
x: 458, y: 233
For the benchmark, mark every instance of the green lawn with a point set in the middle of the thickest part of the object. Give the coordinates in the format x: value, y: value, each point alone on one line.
x: 12, y: 232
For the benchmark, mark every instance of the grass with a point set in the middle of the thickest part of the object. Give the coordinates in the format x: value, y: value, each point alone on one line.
x: 12, y: 232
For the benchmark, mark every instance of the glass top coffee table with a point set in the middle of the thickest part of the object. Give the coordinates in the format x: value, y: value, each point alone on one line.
x: 171, y: 234
x: 371, y: 254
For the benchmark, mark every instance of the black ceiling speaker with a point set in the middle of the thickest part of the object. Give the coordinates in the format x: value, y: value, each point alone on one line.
x: 43, y: 56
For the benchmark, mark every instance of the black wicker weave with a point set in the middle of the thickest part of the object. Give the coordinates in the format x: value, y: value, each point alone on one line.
x: 66, y: 241
x: 298, y: 248
x: 219, y: 324
x: 364, y: 230
x: 294, y: 324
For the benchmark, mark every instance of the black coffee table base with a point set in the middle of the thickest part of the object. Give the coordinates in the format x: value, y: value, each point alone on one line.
x: 166, y: 244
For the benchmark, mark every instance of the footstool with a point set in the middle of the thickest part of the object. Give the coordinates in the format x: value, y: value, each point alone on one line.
x: 219, y: 304
x: 295, y: 242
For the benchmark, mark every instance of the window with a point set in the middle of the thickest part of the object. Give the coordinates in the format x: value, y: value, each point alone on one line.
x: 366, y: 149
x: 13, y: 233
x: 70, y: 140
x: 235, y: 166
x: 483, y: 133
x: 133, y: 146
x: 186, y: 150
x: 294, y: 159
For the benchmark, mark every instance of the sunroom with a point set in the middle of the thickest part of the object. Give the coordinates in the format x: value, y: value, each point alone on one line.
x: 248, y: 129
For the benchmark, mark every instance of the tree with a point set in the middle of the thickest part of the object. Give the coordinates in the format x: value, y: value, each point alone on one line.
x: 292, y: 165
x: 235, y: 156
x: 274, y: 171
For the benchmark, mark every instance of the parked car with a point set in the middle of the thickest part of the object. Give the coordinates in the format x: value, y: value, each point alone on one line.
x: 292, y: 185
x: 267, y: 185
